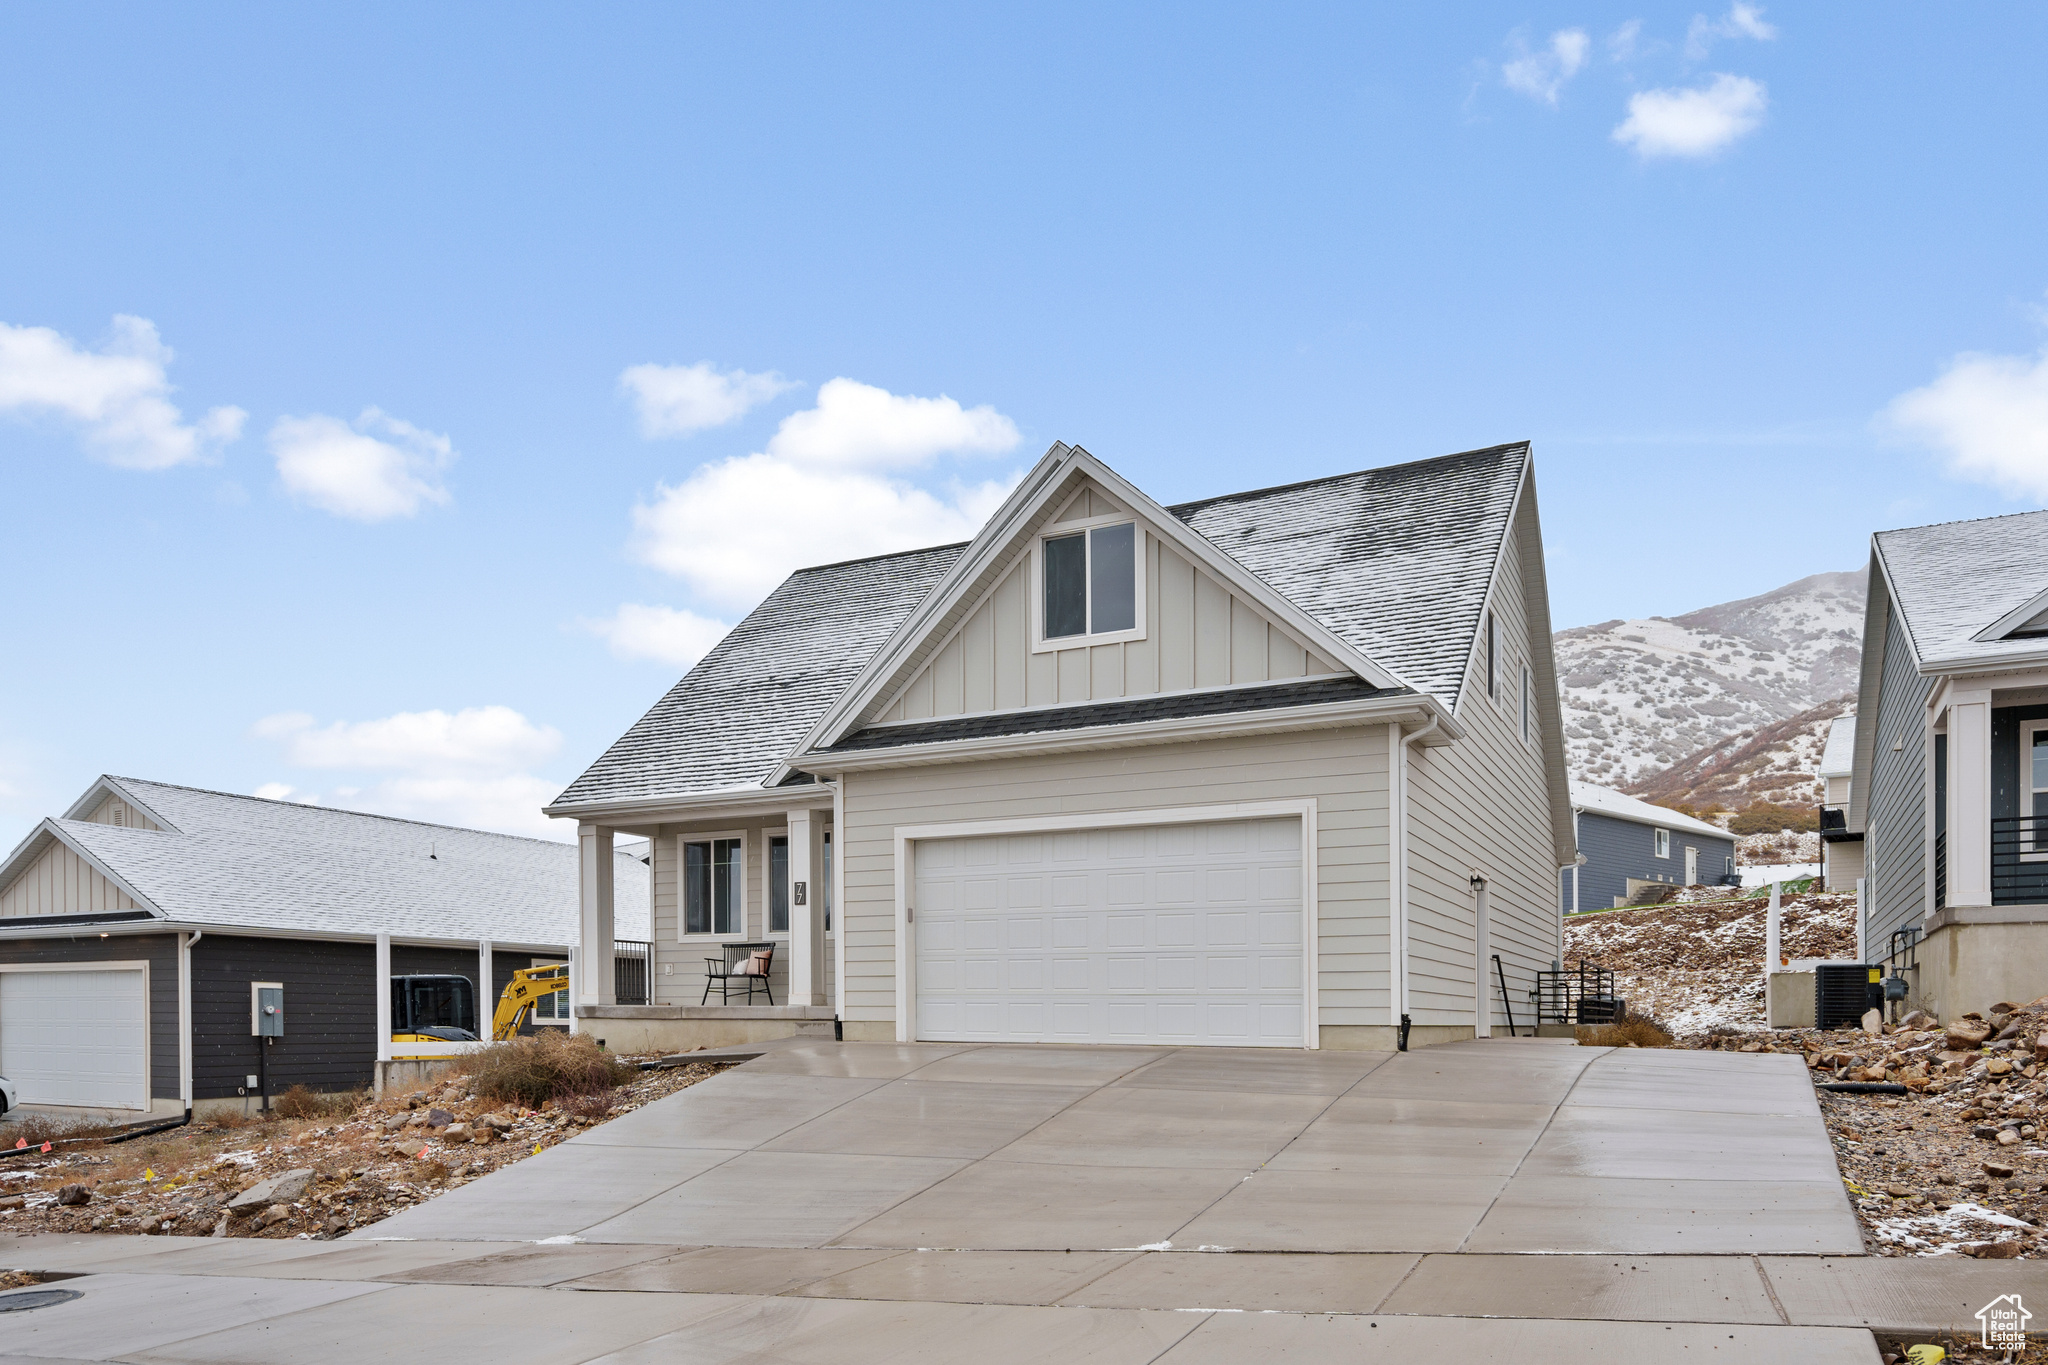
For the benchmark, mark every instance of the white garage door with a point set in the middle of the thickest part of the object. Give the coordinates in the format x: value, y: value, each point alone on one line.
x: 1186, y: 934
x: 75, y: 1037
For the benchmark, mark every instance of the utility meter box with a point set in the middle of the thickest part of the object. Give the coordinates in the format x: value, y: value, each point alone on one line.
x: 266, y: 1009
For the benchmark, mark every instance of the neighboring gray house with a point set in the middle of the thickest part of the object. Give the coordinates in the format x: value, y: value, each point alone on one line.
x: 1841, y: 848
x: 1283, y: 768
x: 134, y: 926
x: 1626, y: 844
x: 1950, y: 784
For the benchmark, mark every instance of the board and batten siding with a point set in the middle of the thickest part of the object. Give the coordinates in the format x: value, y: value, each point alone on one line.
x: 676, y: 960
x: 1198, y: 634
x: 1483, y: 805
x: 60, y: 882
x: 160, y: 951
x: 115, y: 811
x: 1895, y: 824
x: 1345, y: 771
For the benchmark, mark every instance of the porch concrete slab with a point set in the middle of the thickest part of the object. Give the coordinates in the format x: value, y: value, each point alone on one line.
x: 874, y: 1061
x: 125, y: 1315
x: 1905, y: 1294
x: 449, y: 1322
x: 1007, y: 1206
x: 1681, y: 1144
x: 797, y: 1331
x: 931, y: 1118
x: 1571, y: 1214
x: 1234, y: 1338
x: 1134, y: 1126
x: 734, y: 1270
x: 1257, y: 1071
x: 735, y: 1109
x: 1621, y: 1288
x: 786, y: 1199
x: 1014, y: 1277
x: 1399, y: 1137
x: 1040, y: 1064
x: 556, y: 1194
x: 1347, y: 1210
x: 1271, y: 1282
x: 540, y: 1266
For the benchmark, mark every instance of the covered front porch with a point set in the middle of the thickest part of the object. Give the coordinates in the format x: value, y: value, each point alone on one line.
x: 739, y: 876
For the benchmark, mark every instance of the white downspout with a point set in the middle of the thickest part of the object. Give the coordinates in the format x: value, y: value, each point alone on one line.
x: 1397, y: 770
x: 185, y: 942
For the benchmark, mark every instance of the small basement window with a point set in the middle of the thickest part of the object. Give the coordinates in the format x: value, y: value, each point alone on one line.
x: 1090, y: 585
x: 714, y: 886
x: 1663, y: 843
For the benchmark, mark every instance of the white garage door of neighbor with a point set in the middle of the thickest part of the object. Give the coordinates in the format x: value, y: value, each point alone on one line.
x: 75, y: 1037
x: 1183, y: 934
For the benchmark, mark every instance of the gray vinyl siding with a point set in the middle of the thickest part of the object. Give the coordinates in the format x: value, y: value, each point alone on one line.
x: 1895, y: 831
x: 160, y: 951
x: 1345, y: 772
x: 1483, y: 805
x: 1619, y: 849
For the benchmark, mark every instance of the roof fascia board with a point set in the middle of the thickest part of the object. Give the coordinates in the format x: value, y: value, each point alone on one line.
x: 1528, y: 538
x: 1419, y: 705
x: 1068, y: 705
x: 694, y: 805
x: 1500, y: 556
x: 109, y: 785
x: 1970, y: 668
x: 9, y: 871
x: 2014, y: 619
x: 1877, y: 608
x: 11, y: 933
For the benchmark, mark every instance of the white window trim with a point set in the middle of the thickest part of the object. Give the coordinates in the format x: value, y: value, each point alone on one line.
x: 533, y: 1015
x: 1660, y: 843
x: 683, y: 935
x: 2028, y: 729
x: 1140, y: 554
x: 908, y: 835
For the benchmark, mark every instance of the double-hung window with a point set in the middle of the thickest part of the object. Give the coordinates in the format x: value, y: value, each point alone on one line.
x: 778, y: 883
x: 2034, y: 781
x: 552, y: 1008
x: 1091, y: 586
x: 714, y: 885
x: 1663, y: 843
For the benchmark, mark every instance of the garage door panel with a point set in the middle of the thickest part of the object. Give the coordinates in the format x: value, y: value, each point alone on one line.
x: 1188, y: 934
x: 76, y: 1037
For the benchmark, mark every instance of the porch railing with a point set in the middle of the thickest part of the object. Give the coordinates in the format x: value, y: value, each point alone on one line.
x: 2019, y: 861
x: 629, y: 971
x: 1941, y: 869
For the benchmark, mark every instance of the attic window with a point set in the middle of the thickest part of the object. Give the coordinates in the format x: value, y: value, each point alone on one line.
x: 1090, y: 585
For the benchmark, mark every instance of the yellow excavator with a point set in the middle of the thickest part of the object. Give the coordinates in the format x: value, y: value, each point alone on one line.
x: 426, y: 1009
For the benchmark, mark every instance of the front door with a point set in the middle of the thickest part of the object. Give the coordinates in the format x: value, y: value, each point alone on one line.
x: 1692, y: 866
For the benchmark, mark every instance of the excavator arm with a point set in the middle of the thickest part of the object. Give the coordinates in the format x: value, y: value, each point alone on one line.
x: 525, y: 990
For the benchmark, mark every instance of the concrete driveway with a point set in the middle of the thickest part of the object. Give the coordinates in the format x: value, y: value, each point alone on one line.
x: 1480, y: 1147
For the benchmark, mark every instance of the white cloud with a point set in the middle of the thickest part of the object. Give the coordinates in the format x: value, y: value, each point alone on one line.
x: 1989, y: 415
x: 285, y: 791
x: 858, y: 425
x: 676, y: 400
x: 466, y: 768
x: 828, y: 487
x: 1625, y: 43
x: 1543, y: 73
x: 1741, y: 21
x: 119, y: 397
x: 662, y: 634
x: 1693, y: 123
x: 351, y: 472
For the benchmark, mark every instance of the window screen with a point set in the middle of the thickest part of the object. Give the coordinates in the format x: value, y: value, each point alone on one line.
x: 711, y: 887
x: 1066, y: 586
x: 778, y: 884
x: 1112, y: 578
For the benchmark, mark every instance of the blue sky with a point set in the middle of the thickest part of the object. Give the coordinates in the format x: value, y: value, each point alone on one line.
x: 393, y: 398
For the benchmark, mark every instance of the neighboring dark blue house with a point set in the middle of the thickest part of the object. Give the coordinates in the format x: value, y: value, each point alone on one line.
x: 1624, y: 842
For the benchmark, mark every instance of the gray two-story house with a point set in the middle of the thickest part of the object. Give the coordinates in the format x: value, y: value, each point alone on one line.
x: 1950, y: 782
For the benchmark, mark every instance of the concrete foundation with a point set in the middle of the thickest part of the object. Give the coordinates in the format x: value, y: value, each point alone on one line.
x: 1974, y: 957
x: 685, y: 1028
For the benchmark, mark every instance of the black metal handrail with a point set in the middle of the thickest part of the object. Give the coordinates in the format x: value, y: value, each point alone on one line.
x: 2019, y: 861
x: 1833, y: 818
x: 629, y: 971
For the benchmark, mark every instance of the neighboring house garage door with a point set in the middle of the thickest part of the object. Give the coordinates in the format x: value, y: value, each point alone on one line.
x: 75, y: 1037
x: 1187, y: 934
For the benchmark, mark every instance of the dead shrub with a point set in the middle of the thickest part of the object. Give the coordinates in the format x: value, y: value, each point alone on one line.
x: 548, y: 1066
x: 37, y: 1129
x: 594, y: 1105
x: 299, y: 1102
x: 1642, y: 1031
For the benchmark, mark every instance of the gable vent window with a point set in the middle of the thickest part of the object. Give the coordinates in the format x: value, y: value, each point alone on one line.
x: 1090, y: 583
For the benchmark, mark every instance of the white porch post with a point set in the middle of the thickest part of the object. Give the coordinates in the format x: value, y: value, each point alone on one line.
x: 806, y: 907
x: 486, y: 998
x: 596, y: 984
x: 381, y: 985
x: 1969, y: 798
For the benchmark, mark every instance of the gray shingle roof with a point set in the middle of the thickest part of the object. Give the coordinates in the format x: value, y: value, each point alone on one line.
x: 1952, y: 580
x: 1396, y: 561
x: 244, y: 861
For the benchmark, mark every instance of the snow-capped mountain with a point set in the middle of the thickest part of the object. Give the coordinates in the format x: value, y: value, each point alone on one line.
x: 1642, y: 695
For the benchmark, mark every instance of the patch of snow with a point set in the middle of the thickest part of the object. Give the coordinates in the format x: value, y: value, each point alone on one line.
x: 1938, y: 1234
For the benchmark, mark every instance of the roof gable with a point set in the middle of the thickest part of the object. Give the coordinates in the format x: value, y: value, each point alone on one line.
x: 1970, y: 593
